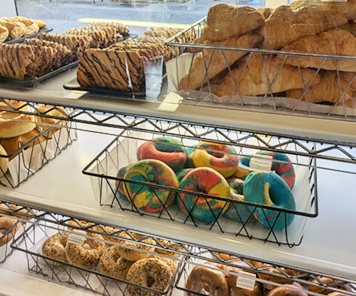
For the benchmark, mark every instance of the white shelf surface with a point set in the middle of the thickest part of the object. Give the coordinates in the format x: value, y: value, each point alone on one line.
x: 328, y: 244
x: 171, y: 107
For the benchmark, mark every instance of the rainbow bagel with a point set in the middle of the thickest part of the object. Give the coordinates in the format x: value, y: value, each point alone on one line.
x: 237, y: 212
x: 150, y: 171
x: 121, y: 184
x: 190, y: 164
x: 219, y: 157
x: 166, y: 149
x: 181, y: 174
x: 206, y: 180
x: 281, y: 164
x: 269, y: 189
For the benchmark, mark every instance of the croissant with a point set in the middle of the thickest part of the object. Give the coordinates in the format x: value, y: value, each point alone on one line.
x: 18, y: 31
x: 333, y: 42
x: 265, y: 11
x: 286, y: 25
x: 40, y: 23
x: 328, y: 89
x: 217, y: 60
x: 111, y: 68
x: 224, y: 21
x: 4, y: 33
x: 32, y: 29
x: 253, y: 80
x: 347, y: 8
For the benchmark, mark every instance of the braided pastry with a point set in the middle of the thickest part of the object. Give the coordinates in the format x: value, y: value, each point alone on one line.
x: 119, y: 28
x: 99, y: 37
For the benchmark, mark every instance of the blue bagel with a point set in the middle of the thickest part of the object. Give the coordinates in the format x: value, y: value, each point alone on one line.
x: 237, y: 212
x: 271, y: 190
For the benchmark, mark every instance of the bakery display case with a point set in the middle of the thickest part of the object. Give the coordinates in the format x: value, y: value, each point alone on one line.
x: 136, y: 152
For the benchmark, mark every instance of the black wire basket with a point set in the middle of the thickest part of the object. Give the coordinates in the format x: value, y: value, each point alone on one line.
x: 122, y: 152
x: 64, y: 273
x: 15, y: 231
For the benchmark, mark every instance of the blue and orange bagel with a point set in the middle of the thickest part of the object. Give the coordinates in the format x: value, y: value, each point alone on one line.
x: 121, y: 184
x: 208, y: 181
x: 269, y: 189
x: 144, y: 197
x: 221, y: 158
x: 236, y: 211
x: 168, y: 150
x: 281, y: 164
x: 181, y: 174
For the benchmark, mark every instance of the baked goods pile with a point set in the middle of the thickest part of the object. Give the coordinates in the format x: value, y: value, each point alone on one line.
x: 126, y: 260
x: 17, y: 27
x: 166, y: 170
x: 121, y: 66
x: 219, y: 279
x: 304, y: 26
x: 17, y: 130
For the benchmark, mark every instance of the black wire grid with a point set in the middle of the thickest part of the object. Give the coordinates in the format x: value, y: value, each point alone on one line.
x: 103, y: 169
x: 6, y: 250
x: 28, y: 160
x: 65, y: 273
x: 267, y: 102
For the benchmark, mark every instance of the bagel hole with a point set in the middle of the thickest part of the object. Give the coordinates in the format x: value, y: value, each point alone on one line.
x: 86, y: 247
x: 216, y: 154
x: 205, y: 289
x: 150, y: 281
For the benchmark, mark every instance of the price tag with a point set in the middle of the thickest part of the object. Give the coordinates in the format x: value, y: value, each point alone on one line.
x: 76, y: 237
x: 246, y: 280
x: 261, y: 163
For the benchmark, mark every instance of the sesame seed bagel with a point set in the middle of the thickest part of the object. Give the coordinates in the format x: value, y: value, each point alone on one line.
x: 54, y: 247
x: 132, y: 251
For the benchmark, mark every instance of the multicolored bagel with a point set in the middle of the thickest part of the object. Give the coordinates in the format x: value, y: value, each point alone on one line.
x: 190, y: 164
x: 237, y: 211
x: 181, y: 174
x: 219, y: 157
x: 142, y: 196
x: 120, y: 184
x: 209, y: 181
x: 281, y: 165
x: 168, y: 150
x: 269, y: 189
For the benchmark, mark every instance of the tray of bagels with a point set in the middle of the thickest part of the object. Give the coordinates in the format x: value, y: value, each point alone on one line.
x: 259, y: 194
x: 118, y: 263
x: 298, y: 57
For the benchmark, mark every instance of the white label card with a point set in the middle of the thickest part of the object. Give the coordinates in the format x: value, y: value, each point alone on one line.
x: 261, y: 163
x: 246, y: 280
x: 76, y: 237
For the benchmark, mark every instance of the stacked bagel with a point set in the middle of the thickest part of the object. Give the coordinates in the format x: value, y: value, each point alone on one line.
x: 18, y: 129
x: 125, y: 260
x: 210, y: 169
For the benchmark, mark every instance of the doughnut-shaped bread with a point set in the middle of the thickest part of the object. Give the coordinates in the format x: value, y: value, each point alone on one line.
x: 190, y: 164
x: 224, y: 256
x: 219, y: 157
x: 142, y: 196
x: 148, y: 272
x: 86, y: 258
x: 171, y: 245
x: 271, y: 190
x: 11, y: 145
x: 113, y: 265
x: 168, y: 150
x: 17, y: 211
x: 121, y: 184
x: 206, y: 280
x: 132, y: 251
x: 326, y: 281
x: 209, y: 181
x: 238, y: 212
x: 14, y: 124
x: 47, y: 123
x: 171, y: 264
x: 287, y: 290
x: 9, y: 227
x: 3, y: 161
x: 181, y: 174
x: 272, y: 278
x: 54, y: 247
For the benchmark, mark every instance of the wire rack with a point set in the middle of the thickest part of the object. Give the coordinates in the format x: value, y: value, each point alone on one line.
x: 121, y: 153
x: 190, y: 254
x: 29, y: 158
x: 64, y: 273
x: 13, y: 232
x: 205, y: 90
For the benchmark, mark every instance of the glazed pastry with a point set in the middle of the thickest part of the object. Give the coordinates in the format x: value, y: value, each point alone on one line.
x: 217, y: 60
x: 225, y: 21
x: 286, y: 25
x: 142, y: 196
x: 99, y: 37
x: 333, y: 42
x: 208, y: 181
x: 221, y: 158
x: 168, y: 150
x: 255, y: 79
x: 271, y: 190
x: 111, y: 36
x: 119, y: 28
